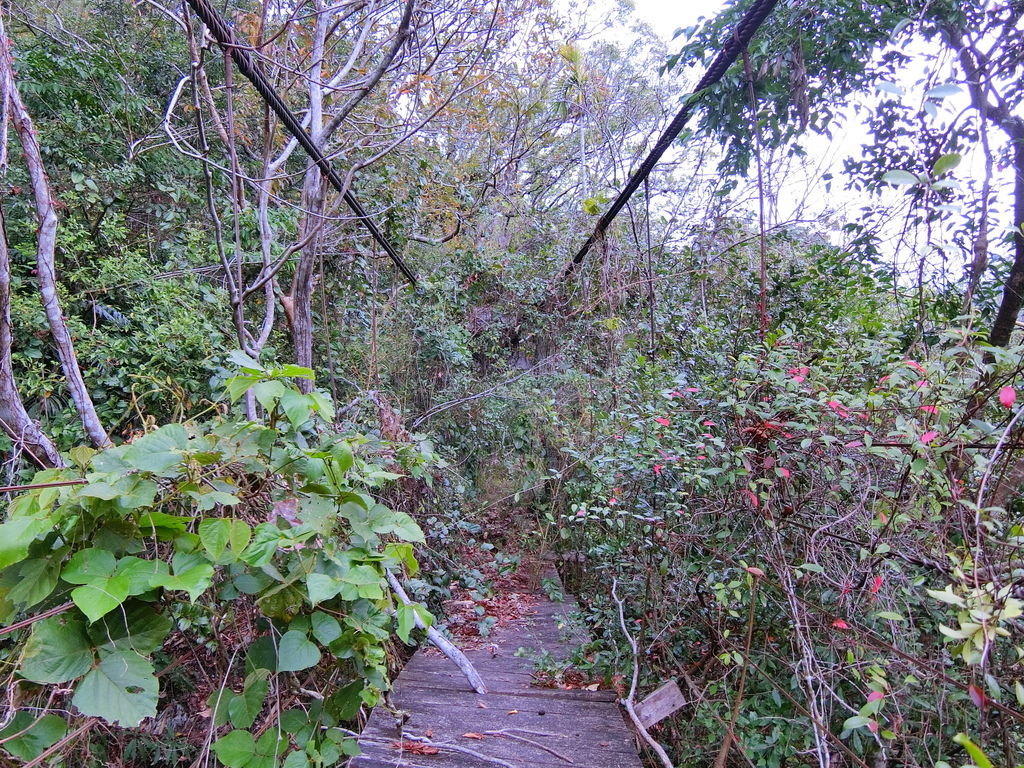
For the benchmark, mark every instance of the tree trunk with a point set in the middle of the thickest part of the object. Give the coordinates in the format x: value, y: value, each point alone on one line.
x: 14, y: 419
x: 1013, y: 291
x: 46, y: 247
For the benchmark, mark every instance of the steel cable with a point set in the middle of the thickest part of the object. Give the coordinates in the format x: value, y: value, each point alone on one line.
x: 243, y: 60
x: 739, y: 40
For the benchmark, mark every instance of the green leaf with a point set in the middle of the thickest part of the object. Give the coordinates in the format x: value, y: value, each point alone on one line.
x: 297, y: 759
x: 237, y: 386
x: 341, y: 452
x: 265, y: 541
x: 244, y: 708
x: 295, y: 653
x: 296, y: 406
x: 159, y: 452
x: 239, y: 536
x: 165, y: 527
x: 326, y: 629
x: 140, y: 573
x: 268, y: 393
x: 101, y: 596
x: 236, y: 749
x: 900, y: 177
x: 406, y: 621
x: 322, y: 587
x: 194, y: 580
x: 890, y: 616
x: 36, y: 735
x: 214, y: 533
x: 945, y: 164
x: 979, y: 758
x: 857, y: 721
x: 946, y: 596
x: 363, y: 581
x: 122, y: 690
x: 137, y: 628
x: 90, y: 565
x: 37, y: 578
x: 58, y: 650
x: 16, y: 535
x: 344, y: 703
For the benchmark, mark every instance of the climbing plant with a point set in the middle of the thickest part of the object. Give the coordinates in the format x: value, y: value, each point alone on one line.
x: 264, y: 540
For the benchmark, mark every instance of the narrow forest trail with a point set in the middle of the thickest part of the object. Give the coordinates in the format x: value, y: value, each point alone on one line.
x: 516, y: 724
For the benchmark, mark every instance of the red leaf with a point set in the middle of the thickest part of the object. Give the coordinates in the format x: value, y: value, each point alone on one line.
x: 873, y: 726
x: 977, y: 696
x: 753, y: 497
x: 663, y: 422
x: 875, y: 696
x: 929, y: 408
x: 840, y: 624
x: 710, y: 424
x: 877, y: 585
x: 784, y: 471
x: 916, y: 366
x: 928, y: 436
x: 755, y: 571
x: 657, y: 469
x: 1007, y: 396
x: 692, y: 389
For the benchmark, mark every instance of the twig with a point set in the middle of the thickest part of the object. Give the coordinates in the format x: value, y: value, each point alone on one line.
x: 33, y: 486
x: 443, y: 644
x: 730, y: 734
x: 628, y: 701
x: 34, y: 619
x: 506, y: 733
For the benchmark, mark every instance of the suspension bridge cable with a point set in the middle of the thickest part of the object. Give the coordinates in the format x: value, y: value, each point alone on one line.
x: 737, y: 43
x: 244, y: 61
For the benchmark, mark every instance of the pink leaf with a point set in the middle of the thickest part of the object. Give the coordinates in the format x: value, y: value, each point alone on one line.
x: 877, y: 585
x: 663, y: 422
x: 929, y: 409
x: 784, y: 471
x: 692, y: 389
x: 928, y: 436
x: 916, y: 366
x: 875, y: 696
x: 755, y: 571
x: 840, y: 624
x: 710, y: 424
x: 873, y: 726
x: 798, y: 379
x: 753, y: 497
x: 702, y: 457
x: 657, y: 469
x: 1007, y: 396
x: 612, y: 501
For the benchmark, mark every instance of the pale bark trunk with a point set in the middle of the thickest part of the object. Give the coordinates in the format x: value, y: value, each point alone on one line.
x: 14, y: 419
x: 46, y: 247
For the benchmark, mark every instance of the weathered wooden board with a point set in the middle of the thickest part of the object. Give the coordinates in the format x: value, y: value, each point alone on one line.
x: 566, y: 727
x: 660, y: 704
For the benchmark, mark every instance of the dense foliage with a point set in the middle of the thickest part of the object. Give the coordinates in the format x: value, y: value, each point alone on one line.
x: 784, y: 460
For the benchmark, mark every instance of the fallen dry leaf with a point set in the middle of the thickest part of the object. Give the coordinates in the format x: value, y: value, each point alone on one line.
x: 472, y: 735
x: 430, y: 733
x: 593, y: 687
x: 415, y: 748
x: 481, y: 705
x: 513, y: 711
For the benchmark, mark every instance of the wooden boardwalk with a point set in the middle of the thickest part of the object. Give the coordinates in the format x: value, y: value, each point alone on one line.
x: 522, y: 725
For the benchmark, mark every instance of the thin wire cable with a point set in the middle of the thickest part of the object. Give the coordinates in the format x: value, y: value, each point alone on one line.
x: 738, y: 42
x: 243, y: 60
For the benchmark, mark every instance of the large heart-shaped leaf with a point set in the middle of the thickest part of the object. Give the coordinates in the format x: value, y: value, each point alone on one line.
x: 122, y: 690
x: 99, y: 597
x: 57, y: 651
x: 295, y: 653
x: 137, y: 628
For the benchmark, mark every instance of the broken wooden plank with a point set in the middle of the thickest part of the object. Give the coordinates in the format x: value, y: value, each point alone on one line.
x: 660, y: 704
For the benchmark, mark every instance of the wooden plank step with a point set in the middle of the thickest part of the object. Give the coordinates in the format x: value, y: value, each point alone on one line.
x: 542, y: 727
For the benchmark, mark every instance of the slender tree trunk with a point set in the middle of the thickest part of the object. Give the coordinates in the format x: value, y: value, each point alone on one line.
x: 14, y: 419
x: 313, y: 196
x: 46, y: 248
x: 1013, y: 291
